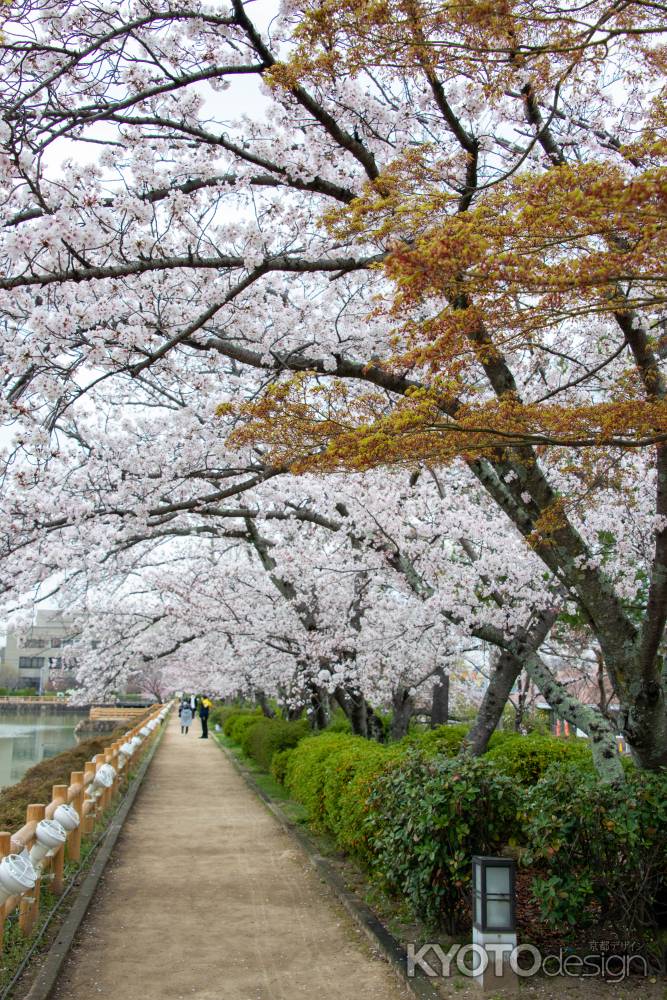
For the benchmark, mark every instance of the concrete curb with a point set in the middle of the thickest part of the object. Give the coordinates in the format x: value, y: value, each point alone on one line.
x: 46, y: 978
x: 381, y: 938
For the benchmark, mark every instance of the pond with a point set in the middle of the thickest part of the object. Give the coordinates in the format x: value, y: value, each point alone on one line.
x: 26, y: 738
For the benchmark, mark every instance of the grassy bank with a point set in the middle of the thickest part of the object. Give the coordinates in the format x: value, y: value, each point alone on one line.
x: 37, y: 783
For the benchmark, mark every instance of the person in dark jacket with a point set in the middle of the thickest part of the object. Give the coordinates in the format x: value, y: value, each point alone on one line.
x: 204, y: 708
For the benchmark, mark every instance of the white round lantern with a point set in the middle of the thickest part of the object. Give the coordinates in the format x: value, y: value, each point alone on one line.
x: 17, y: 875
x: 50, y: 836
x: 67, y: 816
x: 105, y: 777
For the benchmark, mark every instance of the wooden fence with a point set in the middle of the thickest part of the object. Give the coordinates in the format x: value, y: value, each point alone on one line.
x: 89, y: 809
x: 108, y: 713
x: 31, y: 699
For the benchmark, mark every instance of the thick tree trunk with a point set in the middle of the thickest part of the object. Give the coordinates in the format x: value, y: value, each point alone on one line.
x: 263, y: 702
x: 643, y: 721
x: 354, y: 706
x: 440, y: 699
x: 600, y: 731
x: 403, y: 704
x: 358, y: 716
x: 361, y: 715
x: 505, y: 672
x: 319, y: 713
x: 374, y: 725
x: 507, y: 668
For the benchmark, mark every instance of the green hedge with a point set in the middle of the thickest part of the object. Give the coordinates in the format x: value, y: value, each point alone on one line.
x: 236, y: 724
x: 263, y: 739
x: 332, y: 774
x: 526, y: 758
x: 220, y: 713
x: 307, y: 770
x: 414, y: 812
x: 445, y: 740
x: 348, y: 781
x: 279, y: 763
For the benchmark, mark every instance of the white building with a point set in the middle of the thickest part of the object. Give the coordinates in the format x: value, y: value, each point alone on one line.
x: 30, y: 656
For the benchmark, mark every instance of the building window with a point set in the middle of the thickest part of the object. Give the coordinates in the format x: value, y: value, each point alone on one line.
x: 35, y: 643
x: 31, y: 662
x: 56, y: 643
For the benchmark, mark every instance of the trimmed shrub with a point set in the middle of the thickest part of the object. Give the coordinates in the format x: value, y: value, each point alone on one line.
x: 279, y: 763
x: 339, y: 723
x: 307, y: 770
x: 242, y: 726
x: 603, y: 848
x: 426, y: 819
x: 526, y: 758
x: 349, y: 778
x: 236, y: 724
x: 221, y: 713
x: 229, y: 723
x: 446, y: 740
x: 262, y: 740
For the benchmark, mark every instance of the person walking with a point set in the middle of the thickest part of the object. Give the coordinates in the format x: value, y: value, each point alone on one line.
x: 185, y: 713
x: 205, y: 706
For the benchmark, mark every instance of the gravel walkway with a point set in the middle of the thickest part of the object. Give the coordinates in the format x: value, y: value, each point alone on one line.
x: 207, y: 897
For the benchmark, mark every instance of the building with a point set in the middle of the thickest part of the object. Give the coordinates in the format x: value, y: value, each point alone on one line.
x: 30, y: 656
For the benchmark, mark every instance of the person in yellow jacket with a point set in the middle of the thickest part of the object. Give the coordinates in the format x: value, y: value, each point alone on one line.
x: 205, y: 706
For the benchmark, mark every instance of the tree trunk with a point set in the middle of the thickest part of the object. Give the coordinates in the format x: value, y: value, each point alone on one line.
x: 403, y: 704
x: 361, y: 715
x: 358, y: 714
x: 262, y: 701
x: 440, y: 699
x: 643, y: 722
x: 374, y: 725
x: 354, y: 707
x: 520, y: 709
x: 506, y: 670
x: 603, y: 700
x: 508, y: 667
x: 319, y: 713
x: 600, y: 731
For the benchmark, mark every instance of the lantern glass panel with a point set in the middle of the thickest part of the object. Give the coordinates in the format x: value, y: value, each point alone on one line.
x: 498, y: 913
x: 498, y: 880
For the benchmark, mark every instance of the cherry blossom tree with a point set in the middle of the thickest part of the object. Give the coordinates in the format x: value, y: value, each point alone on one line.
x: 425, y: 243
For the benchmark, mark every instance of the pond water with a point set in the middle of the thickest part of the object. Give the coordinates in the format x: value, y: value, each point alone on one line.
x: 27, y: 738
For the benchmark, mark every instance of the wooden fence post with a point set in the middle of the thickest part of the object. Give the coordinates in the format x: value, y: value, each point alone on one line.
x: 5, y: 849
x: 74, y: 840
x: 29, y: 910
x: 59, y: 795
x: 103, y: 799
x: 89, y: 772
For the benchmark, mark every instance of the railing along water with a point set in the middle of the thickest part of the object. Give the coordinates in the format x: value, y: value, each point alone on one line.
x: 90, y: 792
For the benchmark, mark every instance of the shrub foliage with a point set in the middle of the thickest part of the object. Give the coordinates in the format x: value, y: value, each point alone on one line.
x: 602, y: 849
x: 416, y: 811
x: 426, y: 820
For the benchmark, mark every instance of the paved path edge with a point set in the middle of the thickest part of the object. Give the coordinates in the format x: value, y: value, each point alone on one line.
x: 361, y: 913
x: 46, y: 978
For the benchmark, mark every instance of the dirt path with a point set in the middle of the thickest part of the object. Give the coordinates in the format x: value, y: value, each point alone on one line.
x: 207, y: 897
